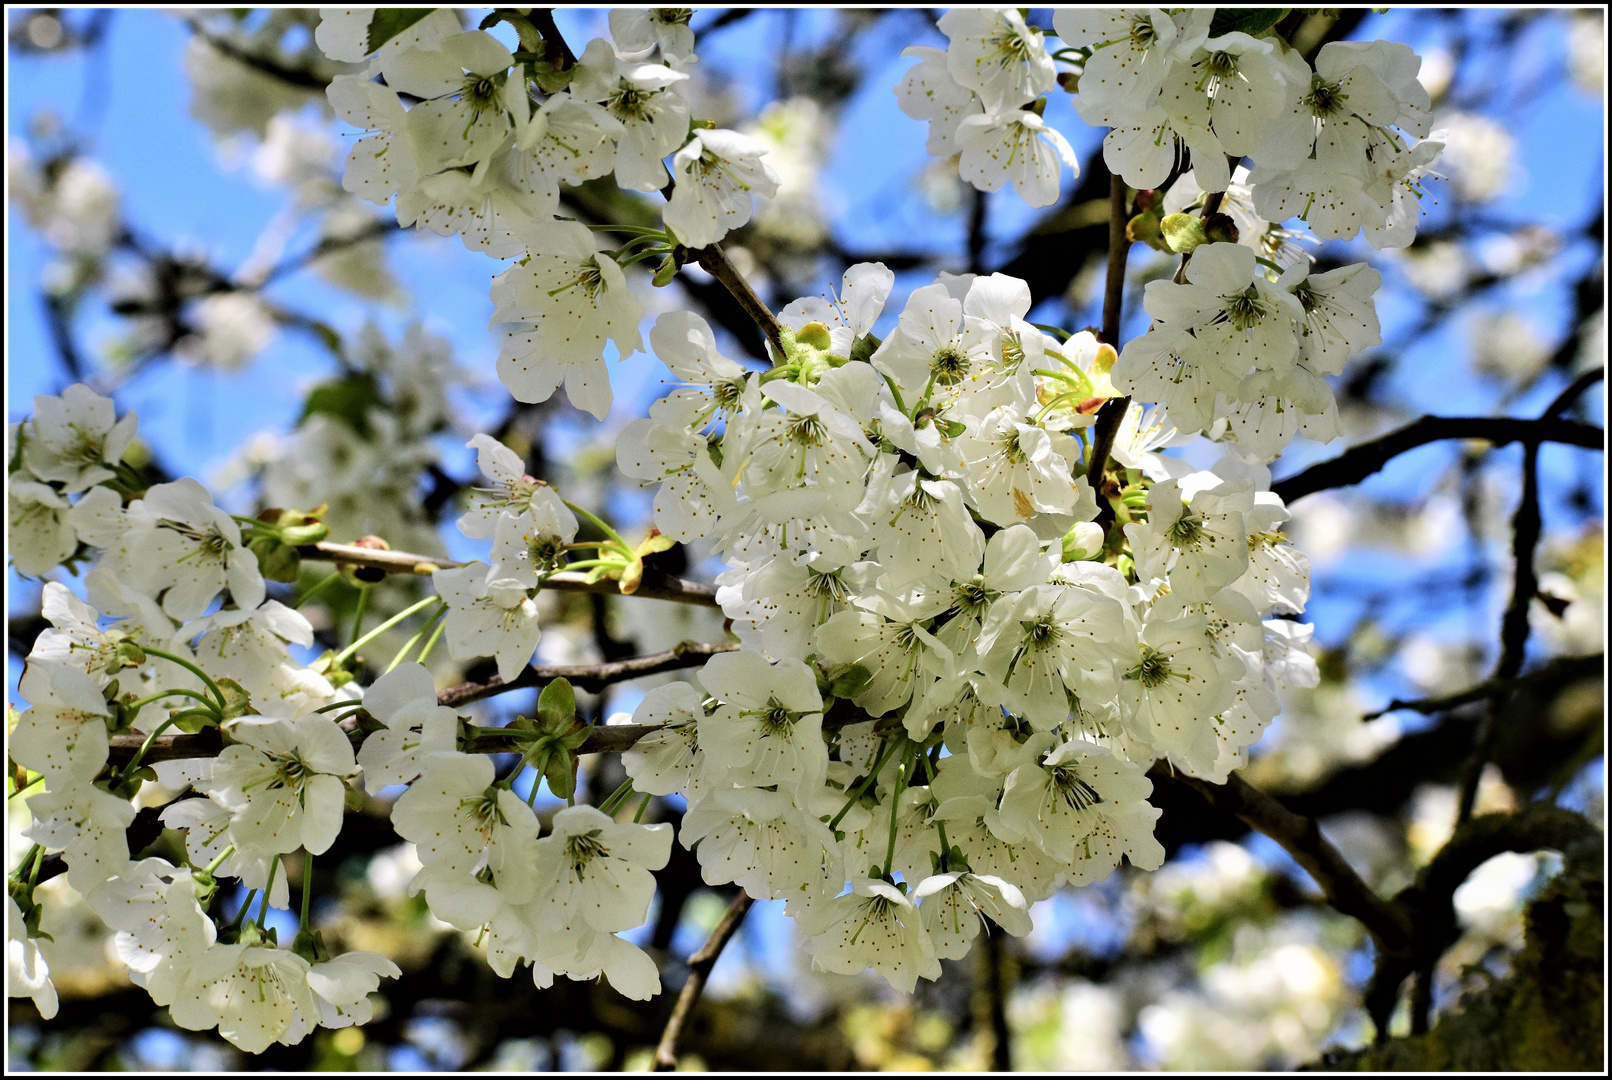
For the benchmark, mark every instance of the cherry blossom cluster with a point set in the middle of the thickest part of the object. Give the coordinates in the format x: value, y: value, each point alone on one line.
x: 950, y: 687
x: 1343, y: 144
x: 488, y: 141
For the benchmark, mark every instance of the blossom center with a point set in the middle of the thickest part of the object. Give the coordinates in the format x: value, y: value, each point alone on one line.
x: 582, y: 849
x: 1153, y: 669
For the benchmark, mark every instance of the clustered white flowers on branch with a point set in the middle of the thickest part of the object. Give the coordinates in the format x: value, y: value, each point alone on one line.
x: 960, y: 652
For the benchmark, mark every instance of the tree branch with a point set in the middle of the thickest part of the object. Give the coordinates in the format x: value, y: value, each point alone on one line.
x: 589, y: 677
x: 715, y: 262
x: 1359, y: 462
x: 1113, y: 411
x: 1561, y: 669
x: 1301, y: 838
x: 299, y: 77
x: 655, y: 586
x: 699, y: 971
x: 1565, y: 399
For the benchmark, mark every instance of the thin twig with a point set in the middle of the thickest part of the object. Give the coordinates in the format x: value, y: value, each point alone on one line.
x: 589, y: 677
x: 1564, y: 400
x: 1388, y: 924
x: 1560, y: 670
x: 655, y: 586
x: 1359, y: 462
x: 298, y: 77
x: 699, y: 970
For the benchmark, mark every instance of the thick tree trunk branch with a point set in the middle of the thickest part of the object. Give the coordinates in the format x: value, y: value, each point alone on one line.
x: 699, y: 971
x: 1359, y: 462
x: 655, y: 586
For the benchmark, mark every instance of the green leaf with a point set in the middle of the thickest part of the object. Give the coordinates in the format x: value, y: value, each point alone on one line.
x: 348, y: 399
x: 387, y: 23
x: 556, y: 708
x: 1252, y: 21
x: 561, y: 773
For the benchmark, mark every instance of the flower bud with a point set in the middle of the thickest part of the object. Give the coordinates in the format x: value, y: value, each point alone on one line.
x: 1220, y: 229
x: 1084, y: 541
x: 1183, y: 232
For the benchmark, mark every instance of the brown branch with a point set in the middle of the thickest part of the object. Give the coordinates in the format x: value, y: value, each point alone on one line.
x: 716, y: 263
x: 1301, y: 838
x: 589, y: 677
x: 1429, y: 903
x: 298, y: 77
x: 1113, y: 411
x: 1565, y: 399
x: 655, y: 586
x: 1359, y: 462
x: 1561, y: 669
x: 559, y: 53
x: 699, y: 970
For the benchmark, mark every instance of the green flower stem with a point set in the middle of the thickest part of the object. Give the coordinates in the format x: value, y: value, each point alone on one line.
x: 639, y: 817
x: 409, y: 645
x: 135, y: 706
x: 607, y: 530
x: 586, y: 563
x: 193, y: 669
x: 358, y: 613
x: 134, y: 762
x: 537, y: 781
x: 317, y: 588
x: 307, y: 886
x: 212, y: 867
x: 246, y: 906
x: 360, y: 642
x: 895, y: 805
x: 40, y: 779
x: 617, y: 797
x: 28, y: 859
x: 268, y: 890
x: 884, y: 755
x: 940, y: 826
x: 431, y: 641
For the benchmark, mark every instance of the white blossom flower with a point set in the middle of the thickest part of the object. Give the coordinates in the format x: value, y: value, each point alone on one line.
x: 27, y: 972
x: 181, y: 542
x: 994, y: 53
x: 806, y: 440
x: 161, y: 929
x: 1340, y: 318
x: 255, y: 995
x: 405, y: 700
x: 762, y: 841
x: 249, y: 646
x: 570, y: 299
x: 1195, y: 534
x: 598, y: 872
x: 1047, y: 645
x: 531, y: 546
x: 929, y: 92
x: 769, y: 727
x: 73, y: 439
x: 1085, y: 807
x: 1018, y: 146
x: 205, y: 824
x: 87, y: 825
x: 341, y: 987
x: 891, y: 642
x: 283, y: 783
x: 488, y: 618
x: 668, y: 759
x: 1133, y: 51
x: 876, y: 926
x: 468, y: 106
x: 653, y: 115
x: 512, y: 491
x: 716, y: 174
x: 637, y: 32
x: 1174, y: 685
x: 952, y: 906
x: 39, y: 533
x: 461, y: 823
x: 62, y: 733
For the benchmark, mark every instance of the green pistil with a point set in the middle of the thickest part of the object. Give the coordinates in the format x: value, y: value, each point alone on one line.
x: 1154, y: 669
x: 1075, y: 792
x: 1324, y: 98
x: 547, y: 552
x: 1243, y: 310
x: 806, y: 431
x: 949, y: 365
x: 1186, y: 533
x: 582, y: 848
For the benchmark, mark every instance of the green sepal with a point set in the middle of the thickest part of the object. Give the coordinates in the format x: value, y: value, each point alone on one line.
x: 237, y: 702
x: 850, y: 681
x: 310, y: 945
x: 864, y: 347
x: 1183, y: 233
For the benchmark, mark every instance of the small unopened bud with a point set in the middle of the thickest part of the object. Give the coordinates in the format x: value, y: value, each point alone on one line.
x: 1070, y: 81
x: 370, y: 574
x: 1183, y: 232
x: 814, y: 334
x: 1038, y: 106
x: 664, y: 273
x: 1084, y: 541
